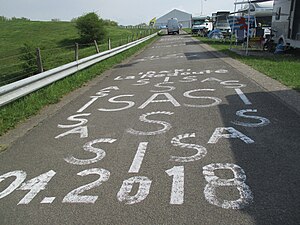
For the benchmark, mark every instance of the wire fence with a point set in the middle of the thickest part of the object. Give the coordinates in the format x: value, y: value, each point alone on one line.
x: 33, y: 61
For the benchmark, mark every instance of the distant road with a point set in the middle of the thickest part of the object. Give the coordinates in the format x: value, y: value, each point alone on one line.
x: 173, y: 136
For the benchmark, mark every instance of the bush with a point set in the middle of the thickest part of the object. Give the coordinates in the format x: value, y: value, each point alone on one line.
x: 29, y: 59
x: 90, y: 27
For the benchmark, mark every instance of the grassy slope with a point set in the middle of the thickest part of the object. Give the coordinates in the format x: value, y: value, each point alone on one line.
x: 14, y: 34
x: 55, y: 39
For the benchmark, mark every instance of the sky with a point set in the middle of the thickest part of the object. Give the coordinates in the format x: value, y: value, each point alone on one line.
x: 125, y: 12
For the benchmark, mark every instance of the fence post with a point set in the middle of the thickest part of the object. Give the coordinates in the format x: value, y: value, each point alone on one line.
x: 109, y: 44
x: 39, y: 60
x: 96, y: 45
x: 76, y: 52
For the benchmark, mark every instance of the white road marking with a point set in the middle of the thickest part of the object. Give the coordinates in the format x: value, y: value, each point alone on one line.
x: 94, y: 98
x: 216, y: 102
x: 176, y: 141
x: 214, y: 182
x: 242, y: 96
x: 241, y: 113
x: 143, y: 191
x: 177, y: 192
x: 88, y: 147
x: 138, y: 159
x: 233, y: 133
x: 143, y: 118
x: 112, y: 100
x: 48, y: 200
x: 169, y: 97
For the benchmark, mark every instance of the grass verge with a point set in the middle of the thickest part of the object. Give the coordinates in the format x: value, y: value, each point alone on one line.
x: 20, y: 110
x: 283, y: 68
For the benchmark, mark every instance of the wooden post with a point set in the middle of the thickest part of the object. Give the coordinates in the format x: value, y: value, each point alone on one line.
x: 76, y: 52
x: 109, y: 44
x: 96, y: 46
x: 39, y: 60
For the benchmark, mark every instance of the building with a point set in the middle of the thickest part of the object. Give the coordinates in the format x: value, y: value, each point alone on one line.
x: 184, y: 18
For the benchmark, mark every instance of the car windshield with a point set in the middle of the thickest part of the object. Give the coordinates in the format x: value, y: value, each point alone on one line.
x: 199, y: 22
x: 222, y: 24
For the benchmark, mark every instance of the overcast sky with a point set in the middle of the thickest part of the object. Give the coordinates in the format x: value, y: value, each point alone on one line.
x: 125, y: 12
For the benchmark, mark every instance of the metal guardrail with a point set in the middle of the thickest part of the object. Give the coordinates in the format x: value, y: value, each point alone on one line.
x: 18, y: 89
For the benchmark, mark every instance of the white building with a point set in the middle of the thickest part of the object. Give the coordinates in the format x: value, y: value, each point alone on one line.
x: 184, y: 18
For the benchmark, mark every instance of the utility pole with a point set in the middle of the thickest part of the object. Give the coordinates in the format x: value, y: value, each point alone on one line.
x: 201, y: 14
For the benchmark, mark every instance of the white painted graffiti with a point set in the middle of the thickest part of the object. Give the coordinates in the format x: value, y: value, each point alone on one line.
x: 75, y: 197
x: 172, y: 73
x: 127, y: 194
x: 143, y: 191
x: 168, y: 46
x: 88, y: 147
x: 216, y: 102
x: 177, y: 192
x: 176, y: 142
x: 215, y: 182
x: 232, y: 133
x: 166, y: 126
x: 241, y: 113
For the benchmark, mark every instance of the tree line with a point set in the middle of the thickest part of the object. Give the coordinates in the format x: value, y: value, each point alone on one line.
x: 5, y: 19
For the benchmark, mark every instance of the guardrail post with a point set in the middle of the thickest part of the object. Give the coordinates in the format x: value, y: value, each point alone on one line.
x: 39, y: 60
x: 109, y: 44
x: 76, y: 52
x: 96, y: 46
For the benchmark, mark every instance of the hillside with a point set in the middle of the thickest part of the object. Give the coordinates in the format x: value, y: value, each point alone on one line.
x: 56, y: 41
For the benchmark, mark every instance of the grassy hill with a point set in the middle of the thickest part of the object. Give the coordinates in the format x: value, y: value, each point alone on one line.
x: 56, y: 41
x: 15, y: 33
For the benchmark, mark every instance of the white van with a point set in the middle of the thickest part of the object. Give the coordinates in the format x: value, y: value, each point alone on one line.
x: 286, y: 23
x: 173, y: 26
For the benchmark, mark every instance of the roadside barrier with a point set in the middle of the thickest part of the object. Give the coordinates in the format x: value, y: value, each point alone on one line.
x: 18, y: 89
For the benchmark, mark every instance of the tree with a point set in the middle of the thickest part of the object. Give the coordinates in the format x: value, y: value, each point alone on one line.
x: 3, y: 18
x: 90, y: 27
x: 110, y: 23
x: 55, y: 20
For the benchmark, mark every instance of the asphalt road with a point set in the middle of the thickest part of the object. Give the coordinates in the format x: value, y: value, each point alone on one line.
x: 174, y: 136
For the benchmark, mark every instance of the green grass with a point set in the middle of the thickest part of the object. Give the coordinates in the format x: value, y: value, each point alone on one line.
x: 188, y: 30
x: 56, y: 41
x: 284, y: 68
x: 20, y: 110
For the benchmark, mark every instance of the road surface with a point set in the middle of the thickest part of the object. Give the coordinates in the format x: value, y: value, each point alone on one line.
x: 173, y: 136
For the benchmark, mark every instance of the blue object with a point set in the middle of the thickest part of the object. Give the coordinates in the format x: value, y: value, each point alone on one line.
x: 279, y: 49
